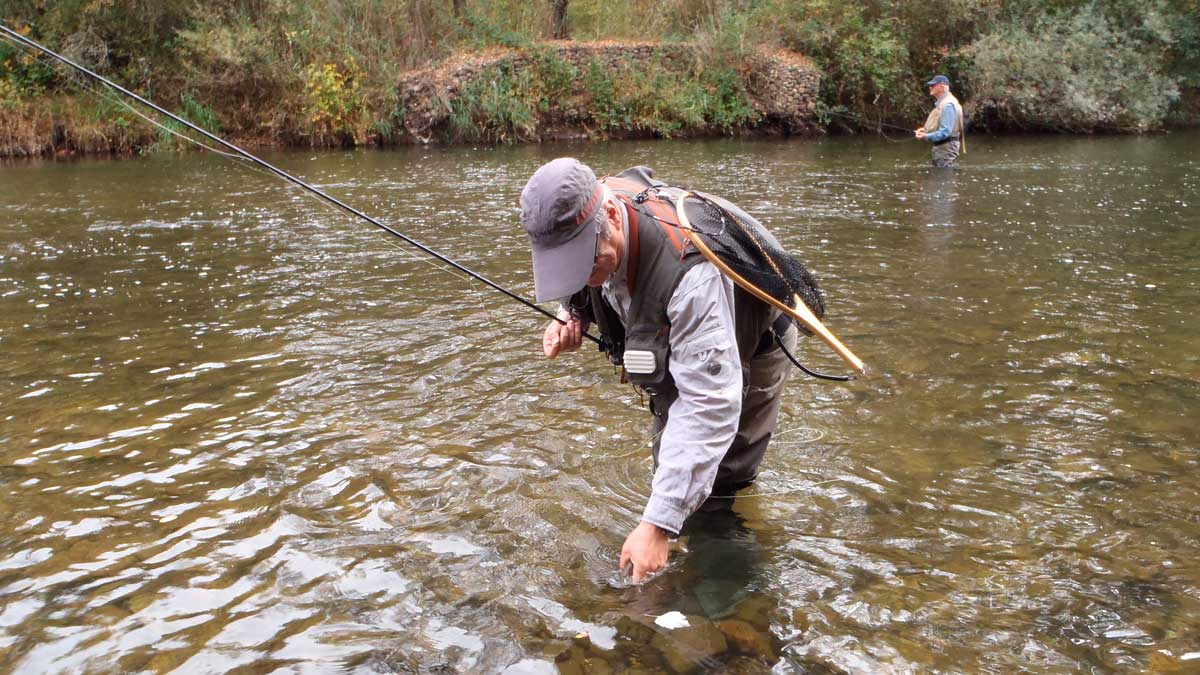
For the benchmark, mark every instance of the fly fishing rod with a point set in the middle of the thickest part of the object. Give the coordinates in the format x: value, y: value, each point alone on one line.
x: 862, y: 120
x: 21, y: 39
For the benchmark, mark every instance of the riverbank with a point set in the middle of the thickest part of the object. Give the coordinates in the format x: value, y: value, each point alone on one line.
x: 549, y: 90
x: 544, y: 91
x: 495, y: 106
x: 355, y: 73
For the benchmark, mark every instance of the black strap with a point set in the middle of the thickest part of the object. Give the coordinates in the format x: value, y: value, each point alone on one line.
x: 775, y: 335
x: 767, y: 342
x: 612, y: 332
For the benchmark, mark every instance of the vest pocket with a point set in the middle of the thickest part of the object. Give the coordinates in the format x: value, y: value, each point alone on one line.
x: 702, y: 347
x: 649, y: 351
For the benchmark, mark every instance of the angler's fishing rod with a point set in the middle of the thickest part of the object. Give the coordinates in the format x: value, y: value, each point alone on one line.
x: 13, y: 35
x: 864, y: 120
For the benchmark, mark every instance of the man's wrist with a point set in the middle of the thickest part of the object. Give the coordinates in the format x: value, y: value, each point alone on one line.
x: 658, y: 529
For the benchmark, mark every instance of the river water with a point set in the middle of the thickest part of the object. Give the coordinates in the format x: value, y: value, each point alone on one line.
x: 243, y: 432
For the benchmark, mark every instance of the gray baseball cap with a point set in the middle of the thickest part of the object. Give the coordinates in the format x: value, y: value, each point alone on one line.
x: 560, y: 211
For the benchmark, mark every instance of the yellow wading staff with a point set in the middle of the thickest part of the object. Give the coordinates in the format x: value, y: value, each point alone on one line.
x: 800, y: 312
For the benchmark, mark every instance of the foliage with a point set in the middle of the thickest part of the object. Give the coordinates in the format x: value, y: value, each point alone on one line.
x: 496, y: 106
x: 333, y: 97
x: 121, y: 39
x: 193, y: 111
x: 1057, y: 72
x: 1182, y: 18
x: 506, y: 103
x: 21, y: 74
x: 325, y: 71
x: 860, y: 48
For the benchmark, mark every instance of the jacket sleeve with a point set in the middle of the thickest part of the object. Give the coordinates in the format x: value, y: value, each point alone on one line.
x: 703, y: 420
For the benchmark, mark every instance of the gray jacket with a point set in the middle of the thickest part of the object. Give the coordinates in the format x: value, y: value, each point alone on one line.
x: 690, y: 317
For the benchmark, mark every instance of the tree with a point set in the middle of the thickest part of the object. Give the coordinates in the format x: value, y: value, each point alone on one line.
x: 559, y: 26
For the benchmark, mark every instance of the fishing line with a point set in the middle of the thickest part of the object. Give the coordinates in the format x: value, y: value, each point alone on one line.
x: 21, y: 39
x: 878, y: 125
x: 776, y: 440
x: 776, y: 493
x: 487, y: 309
x: 107, y: 94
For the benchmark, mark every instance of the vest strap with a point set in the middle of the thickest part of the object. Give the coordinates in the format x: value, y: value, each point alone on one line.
x: 631, y: 246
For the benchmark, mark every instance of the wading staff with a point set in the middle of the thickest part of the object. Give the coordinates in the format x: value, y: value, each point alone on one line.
x: 21, y: 39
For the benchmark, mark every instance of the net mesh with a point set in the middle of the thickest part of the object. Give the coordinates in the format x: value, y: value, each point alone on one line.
x: 746, y: 246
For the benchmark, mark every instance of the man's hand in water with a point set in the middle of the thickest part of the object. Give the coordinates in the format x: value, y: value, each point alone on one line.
x: 561, y: 337
x: 646, y: 549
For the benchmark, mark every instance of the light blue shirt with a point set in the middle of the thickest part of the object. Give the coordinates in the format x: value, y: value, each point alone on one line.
x: 946, y: 128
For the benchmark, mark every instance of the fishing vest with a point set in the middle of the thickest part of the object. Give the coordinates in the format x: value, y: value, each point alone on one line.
x: 935, y: 120
x: 658, y: 256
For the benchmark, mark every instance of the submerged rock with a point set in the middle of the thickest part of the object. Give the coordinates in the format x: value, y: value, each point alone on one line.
x: 1165, y: 663
x: 745, y: 639
x: 686, y: 649
x: 578, y: 660
x: 634, y: 630
x: 756, y: 610
x: 745, y: 665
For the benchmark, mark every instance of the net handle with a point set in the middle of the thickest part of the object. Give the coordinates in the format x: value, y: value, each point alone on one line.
x: 800, y: 312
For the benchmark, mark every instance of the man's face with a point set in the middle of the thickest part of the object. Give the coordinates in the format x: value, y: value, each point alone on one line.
x: 608, y: 249
x: 936, y: 90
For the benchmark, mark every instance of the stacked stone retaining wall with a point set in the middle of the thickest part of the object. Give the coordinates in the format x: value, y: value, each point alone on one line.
x: 782, y: 85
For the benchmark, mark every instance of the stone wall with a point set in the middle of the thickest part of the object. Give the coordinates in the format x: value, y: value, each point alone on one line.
x: 782, y: 85
x: 786, y: 85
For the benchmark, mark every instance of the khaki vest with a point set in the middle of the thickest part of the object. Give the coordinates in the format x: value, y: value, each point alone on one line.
x: 935, y: 119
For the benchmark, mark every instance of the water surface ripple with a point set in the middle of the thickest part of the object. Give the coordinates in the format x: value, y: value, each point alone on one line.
x: 242, y: 432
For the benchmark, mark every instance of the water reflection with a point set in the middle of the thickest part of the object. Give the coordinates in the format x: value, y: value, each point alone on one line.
x: 240, y: 431
x: 937, y: 192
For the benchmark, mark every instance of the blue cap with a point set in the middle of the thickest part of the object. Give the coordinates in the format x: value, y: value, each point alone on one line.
x: 938, y: 79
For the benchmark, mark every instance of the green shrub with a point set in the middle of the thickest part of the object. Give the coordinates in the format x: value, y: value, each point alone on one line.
x: 10, y: 95
x: 21, y: 73
x: 193, y: 111
x: 1182, y: 18
x: 555, y: 77
x: 333, y: 99
x: 730, y: 103
x: 495, y: 106
x: 860, y: 47
x: 1074, y: 71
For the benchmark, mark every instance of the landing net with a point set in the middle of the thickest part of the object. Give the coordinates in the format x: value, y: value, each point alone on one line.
x: 754, y: 253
